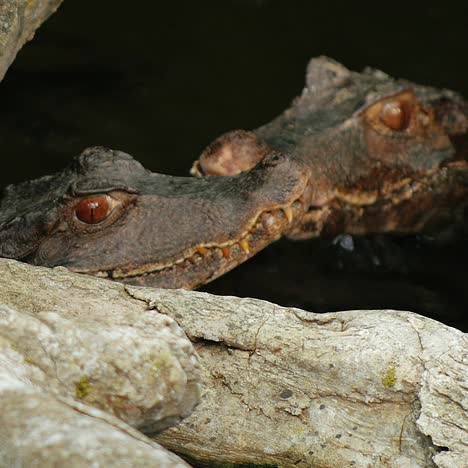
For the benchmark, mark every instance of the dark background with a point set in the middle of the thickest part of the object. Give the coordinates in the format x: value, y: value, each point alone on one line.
x: 160, y: 80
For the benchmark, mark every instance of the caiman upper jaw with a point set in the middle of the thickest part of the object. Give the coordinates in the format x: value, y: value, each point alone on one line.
x: 248, y: 212
x: 207, y: 261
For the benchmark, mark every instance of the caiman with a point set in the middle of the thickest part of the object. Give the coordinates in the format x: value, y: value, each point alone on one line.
x: 356, y: 152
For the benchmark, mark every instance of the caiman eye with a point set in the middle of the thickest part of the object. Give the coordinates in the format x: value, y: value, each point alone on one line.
x: 395, y: 115
x: 93, y: 210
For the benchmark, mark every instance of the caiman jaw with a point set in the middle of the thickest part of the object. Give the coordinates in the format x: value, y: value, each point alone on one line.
x: 207, y: 261
x: 406, y: 207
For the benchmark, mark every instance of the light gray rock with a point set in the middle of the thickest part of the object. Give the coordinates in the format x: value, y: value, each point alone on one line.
x: 282, y: 387
x: 85, y: 339
x: 42, y: 430
x: 71, y: 347
x: 444, y: 393
x: 290, y: 388
x: 19, y: 19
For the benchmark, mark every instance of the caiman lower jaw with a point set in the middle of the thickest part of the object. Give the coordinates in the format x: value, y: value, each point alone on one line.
x: 207, y: 261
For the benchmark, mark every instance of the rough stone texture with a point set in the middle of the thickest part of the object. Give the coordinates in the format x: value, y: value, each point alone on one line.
x: 41, y: 430
x: 283, y: 387
x: 444, y: 394
x: 19, y: 19
x: 85, y: 339
x: 291, y: 388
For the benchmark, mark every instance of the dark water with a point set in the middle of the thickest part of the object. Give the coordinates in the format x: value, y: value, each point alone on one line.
x: 162, y: 80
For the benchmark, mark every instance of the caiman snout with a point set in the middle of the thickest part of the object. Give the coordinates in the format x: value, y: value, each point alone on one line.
x: 230, y: 154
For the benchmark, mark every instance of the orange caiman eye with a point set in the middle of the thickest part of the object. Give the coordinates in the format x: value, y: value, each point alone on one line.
x: 93, y: 210
x: 395, y: 115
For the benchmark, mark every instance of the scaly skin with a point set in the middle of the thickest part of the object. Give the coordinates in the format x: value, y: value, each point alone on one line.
x: 357, y: 153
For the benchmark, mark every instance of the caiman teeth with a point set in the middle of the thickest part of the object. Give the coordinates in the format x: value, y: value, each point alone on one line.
x: 201, y: 250
x: 244, y: 245
x: 247, y: 241
x: 288, y: 213
x: 195, y: 169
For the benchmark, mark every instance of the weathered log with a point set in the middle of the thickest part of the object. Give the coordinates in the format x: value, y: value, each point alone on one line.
x: 40, y: 429
x: 64, y: 338
x: 291, y: 388
x: 286, y: 387
x: 86, y: 340
x: 19, y: 19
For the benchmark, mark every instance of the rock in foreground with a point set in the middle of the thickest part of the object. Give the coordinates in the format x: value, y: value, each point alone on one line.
x: 282, y: 387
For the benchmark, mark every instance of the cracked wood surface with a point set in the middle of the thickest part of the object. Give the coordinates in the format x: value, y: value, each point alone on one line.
x: 291, y: 388
x: 19, y: 19
x: 282, y: 387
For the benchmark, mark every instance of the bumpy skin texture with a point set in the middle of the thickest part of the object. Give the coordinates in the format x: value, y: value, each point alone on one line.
x: 356, y: 153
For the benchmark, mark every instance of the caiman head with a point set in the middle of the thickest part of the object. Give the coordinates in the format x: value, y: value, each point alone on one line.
x: 355, y: 152
x: 108, y: 216
x: 384, y: 155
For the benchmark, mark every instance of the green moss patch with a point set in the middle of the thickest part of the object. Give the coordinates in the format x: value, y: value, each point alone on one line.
x: 389, y: 379
x: 82, y: 388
